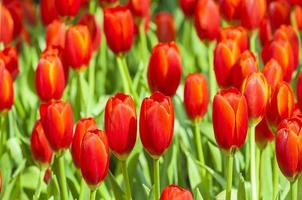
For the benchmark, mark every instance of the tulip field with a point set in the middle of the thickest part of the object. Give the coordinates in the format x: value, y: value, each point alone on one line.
x: 150, y: 99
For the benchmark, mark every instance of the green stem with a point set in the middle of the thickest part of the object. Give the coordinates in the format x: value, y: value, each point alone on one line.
x: 82, y: 92
x: 198, y: 143
x: 129, y: 80
x: 253, y: 42
x: 211, y: 70
x: 82, y: 189
x: 156, y: 178
x: 92, y: 194
x: 275, y: 176
x: 39, y: 186
x: 253, y: 162
x: 62, y: 178
x: 260, y: 176
x: 91, y: 80
x: 123, y: 74
x: 143, y: 41
x: 294, y: 189
x: 228, y: 195
x: 126, y: 180
x: 2, y: 132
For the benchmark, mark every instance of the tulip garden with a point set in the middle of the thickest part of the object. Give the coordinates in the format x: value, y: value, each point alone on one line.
x: 150, y: 99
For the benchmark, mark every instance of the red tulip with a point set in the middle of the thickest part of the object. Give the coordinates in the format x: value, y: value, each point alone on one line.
x: 196, y: 95
x: 281, y: 105
x: 230, y: 119
x: 164, y: 69
x: 245, y: 65
x: 263, y: 134
x: 207, y: 11
x: 16, y: 11
x: 230, y: 9
x: 55, y: 34
x: 252, y: 12
x: 165, y: 27
x: 6, y: 20
x: 174, y: 192
x: 188, y: 7
x: 156, y: 123
x: 108, y: 3
x: 94, y: 29
x: 279, y: 13
x: 273, y: 73
x: 298, y: 16
x: 82, y: 127
x: 6, y: 88
x: 39, y: 145
x: 256, y: 91
x: 299, y: 90
x: 78, y: 46
x: 139, y: 7
x: 50, y: 80
x: 94, y: 157
x: 226, y: 54
x: 237, y: 34
x: 297, y: 111
x: 288, y: 147
x: 68, y: 7
x: 9, y: 55
x: 265, y: 31
x: 57, y: 120
x: 121, y: 124
x: 47, y: 175
x: 48, y: 11
x: 119, y: 29
x: 295, y: 2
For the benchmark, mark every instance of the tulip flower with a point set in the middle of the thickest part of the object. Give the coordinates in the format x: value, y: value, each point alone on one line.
x: 295, y: 2
x: 196, y: 95
x: 6, y: 88
x: 6, y: 20
x: 82, y: 127
x: 16, y: 10
x: 165, y: 68
x: 50, y: 80
x: 230, y: 9
x: 78, y: 46
x: 48, y: 11
x: 299, y: 90
x: 57, y: 121
x: 139, y: 7
x: 108, y: 3
x: 279, y: 13
x: 207, y: 11
x: 165, y: 27
x: 273, y: 73
x: 118, y: 28
x: 263, y: 134
x: 174, y: 192
x: 235, y: 33
x: 226, y: 54
x: 9, y: 55
x: 68, y: 7
x: 94, y: 157
x: 39, y: 145
x: 188, y: 7
x: 252, y: 13
x: 265, y: 31
x: 55, y: 34
x: 298, y: 16
x: 94, y: 29
x: 245, y: 65
x: 47, y: 175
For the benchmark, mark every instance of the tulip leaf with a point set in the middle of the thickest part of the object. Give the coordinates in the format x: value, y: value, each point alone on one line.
x: 216, y: 157
x: 117, y: 190
x: 197, y: 195
x: 241, y: 194
x: 29, y: 177
x: 53, y: 189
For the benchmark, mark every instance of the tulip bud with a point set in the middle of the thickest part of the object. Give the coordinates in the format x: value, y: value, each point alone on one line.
x: 279, y: 13
x: 265, y: 31
x: 164, y: 69
x: 245, y: 65
x: 252, y: 12
x: 256, y: 91
x: 281, y: 105
x: 156, y: 123
x: 298, y: 16
x: 48, y: 11
x: 174, y: 192
x: 188, y: 7
x: 9, y: 55
x: 273, y: 73
x: 230, y: 9
x: 50, y: 80
x: 6, y: 20
x: 139, y: 7
x: 196, y: 95
x: 6, y: 88
x: 288, y: 147
x: 230, y: 119
x: 68, y: 7
x: 78, y: 46
x: 299, y: 90
x: 94, y: 157
x: 47, y: 175
x: 118, y: 28
x: 121, y: 125
x: 263, y: 134
x: 207, y: 11
x: 16, y: 10
x: 94, y: 29
x: 55, y: 34
x: 237, y: 34
x: 82, y: 127
x: 39, y: 145
x: 226, y: 54
x: 165, y: 27
x: 57, y: 120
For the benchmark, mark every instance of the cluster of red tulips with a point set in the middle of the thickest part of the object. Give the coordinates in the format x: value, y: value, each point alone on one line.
x: 252, y: 66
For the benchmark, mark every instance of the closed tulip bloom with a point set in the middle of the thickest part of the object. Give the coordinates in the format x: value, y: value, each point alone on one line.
x: 57, y: 120
x: 94, y: 29
x: 207, y: 11
x: 281, y: 105
x: 94, y: 157
x: 252, y: 12
x: 188, y: 7
x: 237, y: 34
x: 263, y: 134
x: 78, y: 46
x: 165, y: 27
x: 6, y: 88
x: 6, y: 20
x: 256, y: 90
x: 139, y: 7
x: 39, y: 145
x: 196, y: 95
x: 288, y: 147
x: 164, y: 69
x: 47, y: 175
x: 298, y: 16
x: 82, y: 127
x: 9, y: 55
x: 16, y: 10
x: 273, y: 73
x: 55, y: 34
x: 299, y: 90
x: 68, y: 7
x: 226, y: 54
x: 119, y: 29
x: 279, y: 13
x: 265, y: 31
x: 245, y: 65
x: 174, y: 192
x: 230, y: 119
x: 156, y: 123
x: 230, y: 9
x: 48, y: 11
x: 50, y: 80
